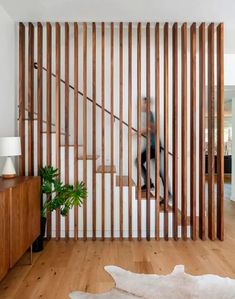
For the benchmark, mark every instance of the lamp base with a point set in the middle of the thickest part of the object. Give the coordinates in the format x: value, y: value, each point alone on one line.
x: 8, y: 169
x: 8, y: 176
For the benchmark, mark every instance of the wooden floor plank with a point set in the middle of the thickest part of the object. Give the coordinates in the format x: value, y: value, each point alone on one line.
x: 61, y: 264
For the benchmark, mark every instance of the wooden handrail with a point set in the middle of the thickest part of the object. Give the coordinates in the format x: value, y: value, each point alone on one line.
x: 97, y: 104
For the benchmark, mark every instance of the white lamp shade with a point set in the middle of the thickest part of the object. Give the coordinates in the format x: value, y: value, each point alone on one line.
x: 10, y: 146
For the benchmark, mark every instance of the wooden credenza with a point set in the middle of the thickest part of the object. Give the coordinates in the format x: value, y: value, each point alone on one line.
x: 19, y: 218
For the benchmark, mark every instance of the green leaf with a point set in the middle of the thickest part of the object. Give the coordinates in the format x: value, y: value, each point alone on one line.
x: 61, y: 196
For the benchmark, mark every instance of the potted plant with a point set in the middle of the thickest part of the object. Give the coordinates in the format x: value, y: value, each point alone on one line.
x: 57, y: 196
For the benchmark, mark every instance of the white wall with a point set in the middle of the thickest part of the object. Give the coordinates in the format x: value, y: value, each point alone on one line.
x: 229, y: 80
x: 7, y: 77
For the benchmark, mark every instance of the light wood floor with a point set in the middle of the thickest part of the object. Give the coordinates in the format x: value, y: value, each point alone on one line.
x: 66, y: 266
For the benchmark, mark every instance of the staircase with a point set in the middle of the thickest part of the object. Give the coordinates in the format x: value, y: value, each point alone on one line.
x: 108, y: 169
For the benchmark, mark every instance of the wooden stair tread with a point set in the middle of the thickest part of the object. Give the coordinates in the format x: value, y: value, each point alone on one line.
x: 106, y: 169
x: 143, y: 194
x: 124, y: 181
x: 71, y: 145
x: 162, y: 208
x: 88, y: 157
x: 52, y: 132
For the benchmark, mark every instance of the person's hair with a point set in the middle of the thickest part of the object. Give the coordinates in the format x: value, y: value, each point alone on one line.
x: 145, y: 99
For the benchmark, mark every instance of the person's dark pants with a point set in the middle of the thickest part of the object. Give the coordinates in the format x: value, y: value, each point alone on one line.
x: 143, y: 161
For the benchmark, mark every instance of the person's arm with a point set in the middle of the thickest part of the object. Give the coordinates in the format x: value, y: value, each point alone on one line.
x: 142, y: 132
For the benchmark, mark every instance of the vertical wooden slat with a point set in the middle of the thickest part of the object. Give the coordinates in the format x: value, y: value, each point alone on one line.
x: 39, y: 94
x: 103, y: 124
x: 175, y: 128
x: 22, y: 95
x: 66, y: 121
x: 94, y: 130
x: 166, y: 131
x: 130, y: 131
x: 121, y: 126
x: 112, y: 125
x: 184, y: 130
x: 39, y: 98
x: 211, y: 131
x: 57, y: 121
x: 220, y: 132
x: 76, y: 123
x: 148, y: 130
x: 157, y: 132
x: 193, y: 130
x: 48, y: 128
x: 48, y: 116
x: 202, y: 153
x: 84, y: 126
x: 31, y: 99
x: 139, y: 128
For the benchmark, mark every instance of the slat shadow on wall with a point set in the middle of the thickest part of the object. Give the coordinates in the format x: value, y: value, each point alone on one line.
x: 96, y: 76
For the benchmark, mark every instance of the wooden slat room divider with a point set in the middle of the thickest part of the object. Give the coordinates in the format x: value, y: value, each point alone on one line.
x: 30, y: 99
x: 66, y: 121
x: 76, y: 123
x: 139, y: 129
x: 57, y: 119
x: 220, y: 132
x: 84, y: 125
x: 184, y: 108
x: 193, y: 130
x: 22, y: 95
x: 175, y: 127
x: 112, y: 125
x: 103, y: 125
x: 113, y: 97
x: 121, y: 128
x: 48, y: 113
x: 130, y: 130
x: 94, y: 129
x: 211, y: 134
x: 202, y: 152
x: 157, y: 131
x: 166, y: 122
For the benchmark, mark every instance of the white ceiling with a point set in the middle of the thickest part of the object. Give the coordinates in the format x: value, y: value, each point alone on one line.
x: 127, y: 10
x: 121, y: 10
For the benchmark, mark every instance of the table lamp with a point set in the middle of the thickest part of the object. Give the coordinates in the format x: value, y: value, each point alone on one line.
x: 9, y: 147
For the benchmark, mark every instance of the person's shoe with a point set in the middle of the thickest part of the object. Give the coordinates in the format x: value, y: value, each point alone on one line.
x: 144, y: 187
x: 162, y: 201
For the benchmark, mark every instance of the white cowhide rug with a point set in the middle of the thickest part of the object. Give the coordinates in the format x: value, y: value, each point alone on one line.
x: 176, y: 285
